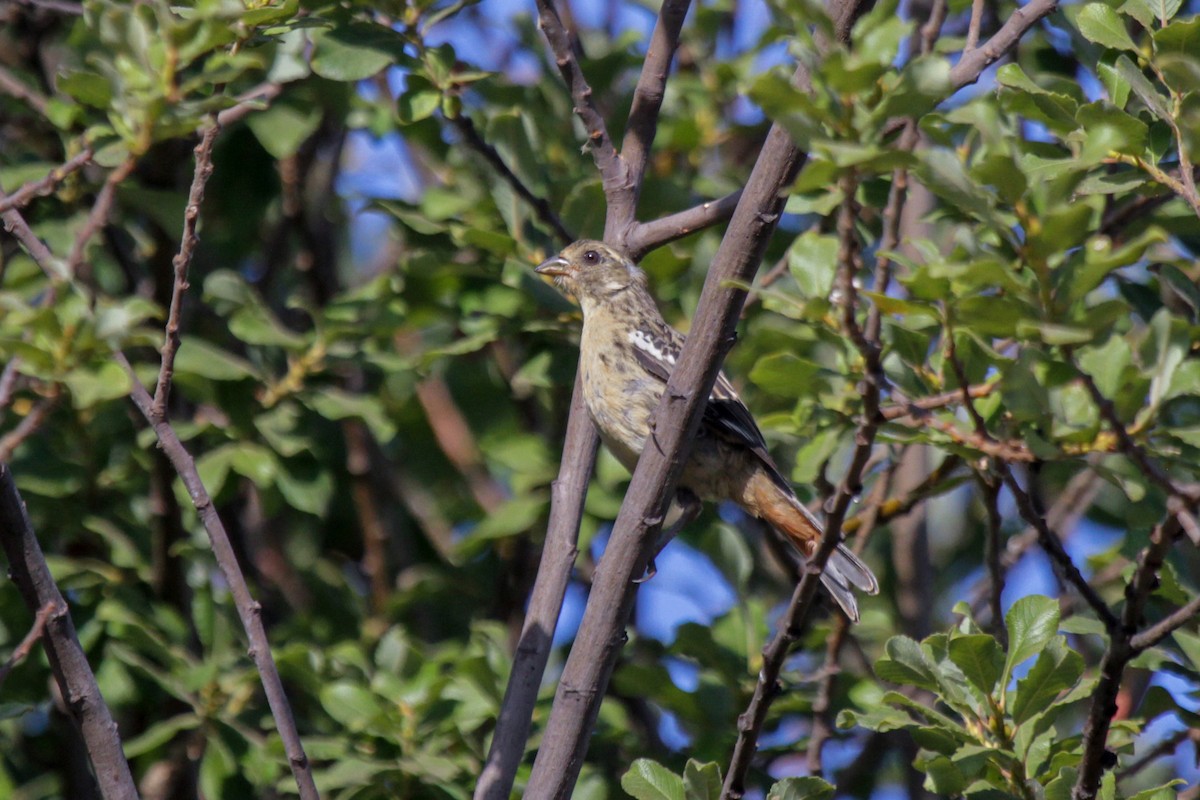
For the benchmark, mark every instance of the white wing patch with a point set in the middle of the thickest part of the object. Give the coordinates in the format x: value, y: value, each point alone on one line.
x: 644, y: 342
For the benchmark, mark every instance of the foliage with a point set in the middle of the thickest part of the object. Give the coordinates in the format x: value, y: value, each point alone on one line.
x: 378, y: 415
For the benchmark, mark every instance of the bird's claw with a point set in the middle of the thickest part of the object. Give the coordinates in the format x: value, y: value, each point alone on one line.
x: 651, y: 571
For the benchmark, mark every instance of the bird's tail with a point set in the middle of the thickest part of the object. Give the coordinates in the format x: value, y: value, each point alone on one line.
x: 844, y: 571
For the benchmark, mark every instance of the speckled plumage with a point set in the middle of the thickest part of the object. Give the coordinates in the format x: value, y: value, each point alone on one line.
x: 627, y: 352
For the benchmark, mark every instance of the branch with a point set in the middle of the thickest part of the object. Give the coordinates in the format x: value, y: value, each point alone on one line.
x: 790, y: 626
x: 914, y: 408
x: 647, y: 101
x: 973, y: 26
x: 972, y: 64
x: 614, y: 172
x: 471, y: 136
x: 46, y: 185
x: 1054, y: 548
x: 645, y: 236
x: 27, y: 427
x: 21, y: 652
x: 182, y: 261
x: 98, y: 217
x: 249, y: 102
x: 545, y: 604
x: 12, y: 85
x: 1121, y: 649
x: 455, y: 440
x: 676, y: 421
x: 68, y: 662
x: 249, y: 611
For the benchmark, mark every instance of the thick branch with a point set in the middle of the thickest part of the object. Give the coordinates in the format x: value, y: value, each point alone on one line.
x: 67, y: 659
x: 545, y: 604
x: 601, y: 634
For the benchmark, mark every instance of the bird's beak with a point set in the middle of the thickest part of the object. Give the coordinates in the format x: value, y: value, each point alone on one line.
x: 553, y: 266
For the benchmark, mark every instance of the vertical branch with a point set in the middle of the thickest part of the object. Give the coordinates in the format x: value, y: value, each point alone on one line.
x: 67, y: 659
x: 181, y: 263
x: 643, y: 113
x: 545, y: 604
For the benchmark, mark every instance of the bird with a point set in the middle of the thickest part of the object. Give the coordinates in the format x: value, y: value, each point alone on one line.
x: 627, y: 352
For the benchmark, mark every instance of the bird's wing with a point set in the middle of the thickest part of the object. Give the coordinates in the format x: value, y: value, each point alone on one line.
x: 657, y: 348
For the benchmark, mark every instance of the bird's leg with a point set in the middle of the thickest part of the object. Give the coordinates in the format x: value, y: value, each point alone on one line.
x: 689, y: 508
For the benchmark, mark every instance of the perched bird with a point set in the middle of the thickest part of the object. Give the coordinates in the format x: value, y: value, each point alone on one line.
x: 627, y: 352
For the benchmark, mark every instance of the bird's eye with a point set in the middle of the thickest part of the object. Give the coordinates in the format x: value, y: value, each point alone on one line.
x: 591, y: 256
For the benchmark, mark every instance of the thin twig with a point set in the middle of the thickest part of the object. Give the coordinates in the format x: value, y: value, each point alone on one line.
x: 46, y: 185
x: 1054, y: 548
x: 21, y: 652
x: 1123, y: 646
x: 790, y: 626
x: 1164, y: 748
x: 472, y: 137
x: 913, y: 408
x: 98, y: 217
x: 645, y: 236
x: 181, y: 263
x: 454, y: 438
x: 248, y: 102
x: 973, y: 26
x: 12, y: 85
x: 26, y: 427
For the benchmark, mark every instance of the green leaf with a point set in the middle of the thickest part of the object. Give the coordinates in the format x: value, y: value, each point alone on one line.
x: 97, y: 383
x: 806, y: 788
x: 785, y: 374
x: 1101, y: 24
x: 159, y: 734
x: 1150, y: 12
x: 1182, y: 36
x: 1142, y: 87
x: 1189, y: 643
x: 1057, y: 668
x: 980, y: 658
x: 356, y: 51
x: 285, y: 125
x: 199, y: 357
x: 351, y: 704
x: 906, y: 664
x: 514, y: 517
x: 701, y: 781
x: 812, y: 261
x: 1032, y: 622
x: 649, y: 780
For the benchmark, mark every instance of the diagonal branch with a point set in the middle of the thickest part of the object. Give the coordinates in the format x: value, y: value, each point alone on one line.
x: 1120, y: 651
x: 69, y: 663
x: 48, y: 184
x: 249, y: 610
x: 601, y: 633
x: 472, y: 137
x: 972, y: 63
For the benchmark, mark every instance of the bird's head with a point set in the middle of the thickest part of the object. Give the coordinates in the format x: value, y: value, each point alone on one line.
x: 593, y: 272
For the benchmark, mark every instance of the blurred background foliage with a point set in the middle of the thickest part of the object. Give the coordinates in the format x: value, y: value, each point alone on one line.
x: 375, y: 384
